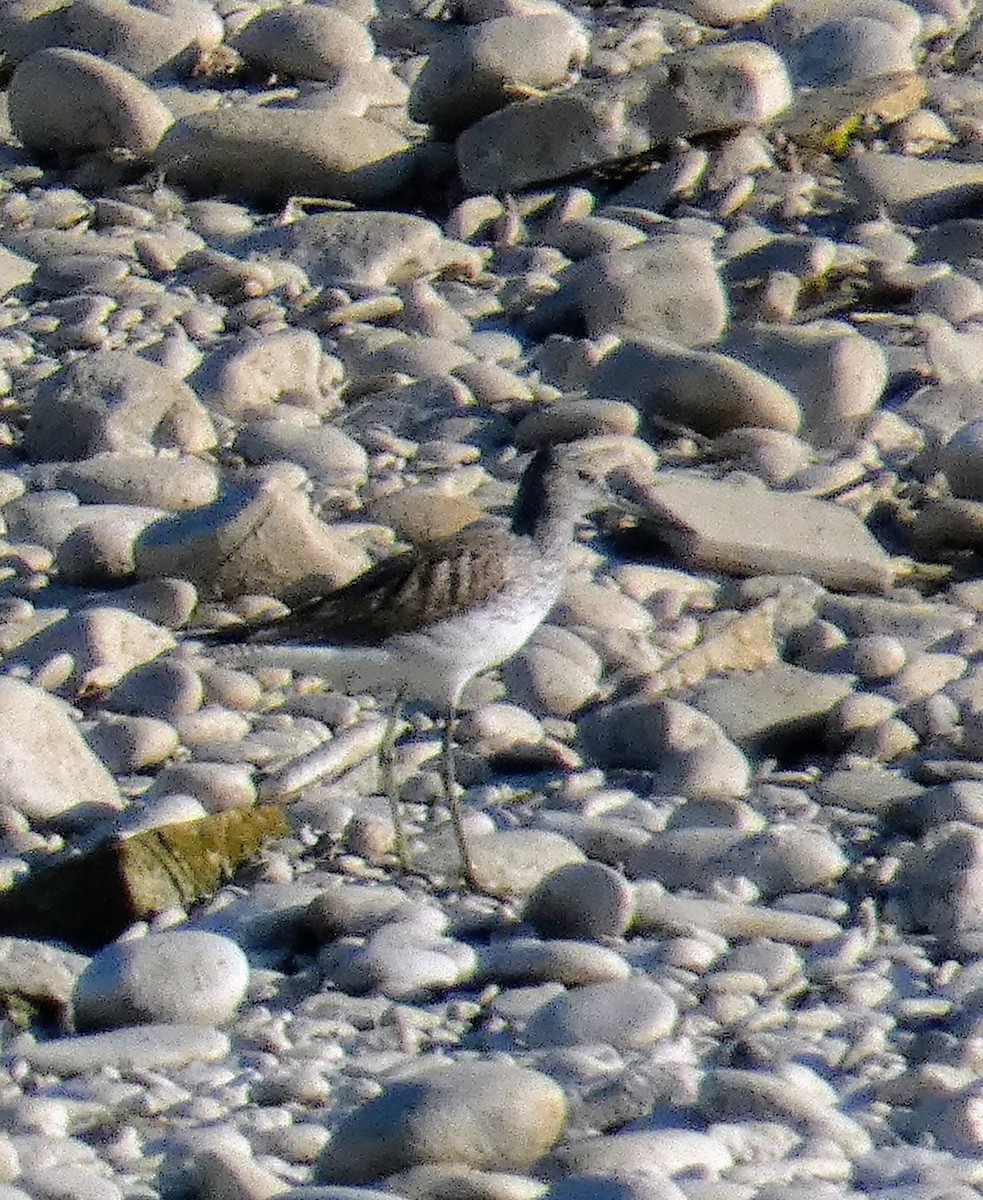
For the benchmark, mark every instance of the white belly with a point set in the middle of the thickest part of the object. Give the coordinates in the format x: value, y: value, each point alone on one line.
x: 438, y: 664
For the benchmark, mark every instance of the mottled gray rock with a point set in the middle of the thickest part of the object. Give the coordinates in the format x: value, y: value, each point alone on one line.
x: 219, y: 786
x: 68, y: 102
x: 709, y: 393
x: 854, y: 47
x: 160, y: 689
x: 940, y: 411
x: 686, y: 752
x: 711, y: 88
x: 960, y: 458
x: 185, y: 977
x: 37, y: 971
x: 225, y: 1170
x: 98, y: 645
x: 531, y: 961
x: 940, y: 886
x: 490, y: 1115
x: 100, y: 551
x: 373, y: 248
x: 493, y: 730
x: 792, y: 1092
x: 327, y: 454
x: 683, y: 858
x: 404, y: 960
x: 15, y: 271
x: 571, y: 419
x: 627, y: 1014
x: 508, y: 864
x: 958, y: 800
x: 649, y: 1153
x: 309, y: 41
x: 167, y: 602
x: 873, y: 790
x: 345, y: 908
x: 128, y: 744
x: 951, y: 296
x: 46, y: 769
x: 660, y: 913
x: 112, y: 401
x: 919, y: 623
x: 555, y: 674
x: 71, y: 1182
x: 257, y: 372
x: 743, y: 527
x: 267, y: 154
x: 785, y: 858
x: 480, y: 68
x: 174, y: 482
x: 258, y: 538
x: 912, y: 190
x: 667, y: 288
x: 629, y: 1185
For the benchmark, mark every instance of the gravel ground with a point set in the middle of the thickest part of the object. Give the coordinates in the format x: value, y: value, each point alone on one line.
x: 284, y: 288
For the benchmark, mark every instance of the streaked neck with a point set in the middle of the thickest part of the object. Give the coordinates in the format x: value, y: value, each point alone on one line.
x: 546, y: 508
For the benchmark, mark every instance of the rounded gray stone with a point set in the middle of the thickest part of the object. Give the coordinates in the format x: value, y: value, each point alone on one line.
x: 583, y: 900
x: 160, y: 689
x: 627, y: 1014
x: 264, y: 153
x: 687, y: 753
x: 186, y: 977
x: 309, y: 41
x: 64, y: 101
x: 491, y: 1116
x: 111, y: 401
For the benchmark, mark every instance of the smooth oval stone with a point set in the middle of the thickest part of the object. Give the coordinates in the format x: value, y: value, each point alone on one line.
x: 626, y: 1014
x: 185, y: 977
x: 65, y: 101
x: 488, y: 1115
x: 583, y: 900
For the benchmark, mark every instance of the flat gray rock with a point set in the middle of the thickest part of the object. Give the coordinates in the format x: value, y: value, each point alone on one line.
x: 141, y: 1047
x: 46, y: 768
x: 746, y: 529
x: 774, y: 706
x: 268, y: 153
x: 713, y: 87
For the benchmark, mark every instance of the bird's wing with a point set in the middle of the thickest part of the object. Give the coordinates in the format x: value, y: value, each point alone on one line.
x: 398, y: 595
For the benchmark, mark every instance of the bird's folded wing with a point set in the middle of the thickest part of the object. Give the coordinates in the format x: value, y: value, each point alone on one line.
x: 402, y: 594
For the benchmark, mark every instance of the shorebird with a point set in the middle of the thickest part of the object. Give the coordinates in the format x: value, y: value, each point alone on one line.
x: 422, y: 624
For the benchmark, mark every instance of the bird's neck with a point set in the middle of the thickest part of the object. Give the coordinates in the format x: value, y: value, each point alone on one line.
x: 544, y: 512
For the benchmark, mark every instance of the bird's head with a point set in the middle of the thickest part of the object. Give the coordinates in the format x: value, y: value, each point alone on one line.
x: 573, y: 478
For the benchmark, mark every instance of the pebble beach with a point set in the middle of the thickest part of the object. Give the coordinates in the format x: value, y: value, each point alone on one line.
x: 287, y: 288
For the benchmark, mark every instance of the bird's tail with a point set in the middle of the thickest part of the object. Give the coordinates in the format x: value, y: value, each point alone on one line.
x: 346, y: 668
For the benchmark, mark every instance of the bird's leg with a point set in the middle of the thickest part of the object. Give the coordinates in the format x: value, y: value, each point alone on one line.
x: 450, y: 791
x: 387, y: 753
